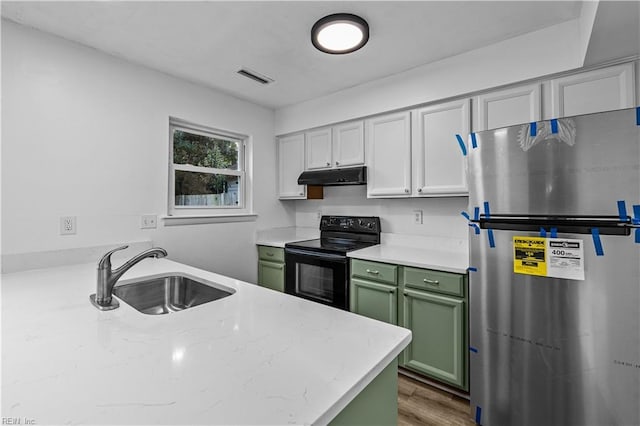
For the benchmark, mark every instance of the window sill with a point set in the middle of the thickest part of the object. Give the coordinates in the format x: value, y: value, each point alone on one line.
x: 202, y: 219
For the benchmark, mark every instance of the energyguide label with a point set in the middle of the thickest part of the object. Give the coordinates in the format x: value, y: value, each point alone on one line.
x: 549, y: 257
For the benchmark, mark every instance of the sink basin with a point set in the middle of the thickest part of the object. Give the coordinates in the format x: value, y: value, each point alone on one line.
x: 170, y: 293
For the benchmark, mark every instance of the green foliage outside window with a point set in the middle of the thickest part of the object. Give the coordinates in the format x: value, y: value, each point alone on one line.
x: 204, y: 151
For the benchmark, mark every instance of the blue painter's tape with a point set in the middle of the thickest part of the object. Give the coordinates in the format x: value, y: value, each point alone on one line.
x: 595, y: 234
x: 478, y: 415
x: 534, y: 128
x: 622, y: 210
x: 476, y: 228
x: 638, y: 116
x: 487, y: 213
x: 476, y: 213
x: 492, y: 242
x: 472, y: 349
x: 636, y: 221
x: 554, y: 125
x: 543, y: 233
x: 554, y: 232
x: 466, y: 215
x: 463, y: 147
x: 472, y: 269
x: 636, y: 214
x: 474, y: 141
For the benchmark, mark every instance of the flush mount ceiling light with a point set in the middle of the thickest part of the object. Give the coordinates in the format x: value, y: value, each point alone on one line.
x: 340, y: 33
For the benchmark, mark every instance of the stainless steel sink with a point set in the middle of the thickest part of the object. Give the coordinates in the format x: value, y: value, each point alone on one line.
x: 171, y: 293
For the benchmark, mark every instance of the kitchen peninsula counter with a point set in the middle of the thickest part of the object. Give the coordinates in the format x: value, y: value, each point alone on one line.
x: 256, y: 357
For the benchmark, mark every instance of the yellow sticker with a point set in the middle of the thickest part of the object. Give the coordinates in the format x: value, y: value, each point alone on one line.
x: 529, y: 256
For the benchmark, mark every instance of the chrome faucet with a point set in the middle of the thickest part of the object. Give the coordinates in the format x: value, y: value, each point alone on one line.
x: 107, y: 277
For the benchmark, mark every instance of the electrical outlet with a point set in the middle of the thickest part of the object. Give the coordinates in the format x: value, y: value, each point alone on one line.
x: 148, y: 221
x: 319, y: 215
x: 417, y: 217
x: 67, y: 225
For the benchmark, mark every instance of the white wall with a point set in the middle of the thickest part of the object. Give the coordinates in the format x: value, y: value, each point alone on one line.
x: 86, y: 134
x: 442, y: 216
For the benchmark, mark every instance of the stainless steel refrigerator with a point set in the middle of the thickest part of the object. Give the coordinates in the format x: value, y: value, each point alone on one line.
x: 554, y: 321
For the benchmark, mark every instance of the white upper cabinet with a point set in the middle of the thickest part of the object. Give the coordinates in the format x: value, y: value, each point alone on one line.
x: 438, y: 161
x: 348, y: 144
x: 599, y: 90
x: 338, y: 146
x: 318, y: 145
x: 290, y: 165
x: 508, y: 107
x: 388, y: 148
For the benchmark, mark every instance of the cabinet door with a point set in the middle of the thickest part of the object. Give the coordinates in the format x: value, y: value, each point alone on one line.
x: 271, y: 275
x: 593, y: 91
x: 388, y: 146
x: 439, y: 163
x: 348, y: 144
x: 318, y: 146
x: 373, y: 300
x: 508, y: 107
x: 437, y: 348
x: 290, y: 165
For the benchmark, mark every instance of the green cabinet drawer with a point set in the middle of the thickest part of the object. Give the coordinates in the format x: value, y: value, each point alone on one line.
x: 374, y: 300
x: 440, y: 282
x: 374, y: 271
x: 272, y: 254
x: 271, y: 275
x: 439, y: 344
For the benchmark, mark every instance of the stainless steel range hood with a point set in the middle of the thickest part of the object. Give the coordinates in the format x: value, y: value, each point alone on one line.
x: 334, y: 177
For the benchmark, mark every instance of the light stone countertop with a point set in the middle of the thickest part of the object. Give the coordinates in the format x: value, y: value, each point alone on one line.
x: 278, y: 237
x: 442, y: 254
x: 256, y: 357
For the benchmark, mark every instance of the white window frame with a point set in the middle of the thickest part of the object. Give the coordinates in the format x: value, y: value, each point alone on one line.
x: 199, y: 214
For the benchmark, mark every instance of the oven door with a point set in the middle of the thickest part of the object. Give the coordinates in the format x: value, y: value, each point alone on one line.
x: 316, y: 276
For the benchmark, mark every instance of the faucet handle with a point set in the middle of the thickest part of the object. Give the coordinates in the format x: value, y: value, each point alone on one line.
x: 105, y: 261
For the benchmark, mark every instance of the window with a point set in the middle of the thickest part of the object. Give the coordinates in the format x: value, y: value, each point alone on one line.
x: 206, y: 172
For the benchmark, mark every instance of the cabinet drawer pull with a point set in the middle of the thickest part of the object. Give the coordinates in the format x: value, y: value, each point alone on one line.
x: 369, y: 271
x: 270, y: 254
x: 428, y: 281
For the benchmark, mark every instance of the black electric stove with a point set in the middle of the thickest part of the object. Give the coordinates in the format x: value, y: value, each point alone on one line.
x: 318, y: 269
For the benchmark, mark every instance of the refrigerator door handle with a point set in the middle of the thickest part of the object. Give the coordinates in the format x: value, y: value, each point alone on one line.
x: 607, y: 225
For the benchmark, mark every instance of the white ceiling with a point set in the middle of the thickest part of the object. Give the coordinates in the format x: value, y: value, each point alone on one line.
x: 207, y: 42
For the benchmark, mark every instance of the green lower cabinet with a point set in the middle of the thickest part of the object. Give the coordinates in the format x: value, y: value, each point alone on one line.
x: 374, y: 300
x: 271, y: 275
x: 438, y: 348
x: 377, y: 404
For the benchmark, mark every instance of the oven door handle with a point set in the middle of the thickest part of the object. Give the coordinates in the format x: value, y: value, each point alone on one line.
x: 315, y: 254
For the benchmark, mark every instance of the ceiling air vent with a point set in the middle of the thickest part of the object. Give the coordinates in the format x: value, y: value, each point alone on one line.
x: 262, y: 79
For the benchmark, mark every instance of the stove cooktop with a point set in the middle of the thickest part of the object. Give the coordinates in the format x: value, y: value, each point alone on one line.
x: 342, y: 234
x: 334, y: 245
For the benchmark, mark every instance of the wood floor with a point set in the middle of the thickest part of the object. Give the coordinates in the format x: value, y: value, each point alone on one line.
x: 421, y: 404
